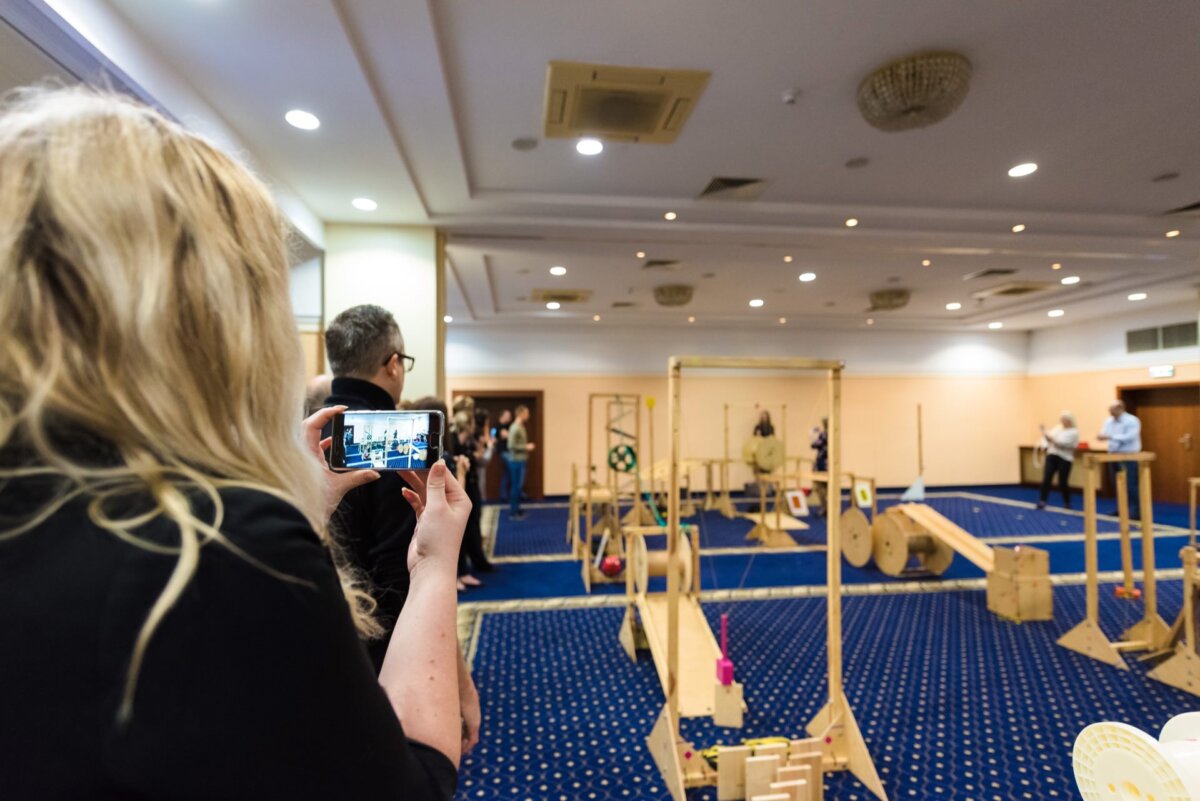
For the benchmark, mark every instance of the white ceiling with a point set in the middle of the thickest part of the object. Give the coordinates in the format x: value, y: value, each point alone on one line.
x: 420, y: 100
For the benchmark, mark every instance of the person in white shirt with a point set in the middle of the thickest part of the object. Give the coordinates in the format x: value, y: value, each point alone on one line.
x: 1123, y: 433
x: 1060, y: 443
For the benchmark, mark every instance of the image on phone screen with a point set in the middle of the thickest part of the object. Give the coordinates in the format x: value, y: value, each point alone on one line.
x: 398, y: 441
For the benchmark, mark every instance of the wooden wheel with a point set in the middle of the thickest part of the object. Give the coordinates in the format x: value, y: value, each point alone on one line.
x: 646, y: 563
x: 938, y: 559
x: 856, y: 537
x: 891, y: 533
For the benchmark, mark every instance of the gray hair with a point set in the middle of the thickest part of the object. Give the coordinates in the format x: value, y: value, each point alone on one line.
x: 361, y: 339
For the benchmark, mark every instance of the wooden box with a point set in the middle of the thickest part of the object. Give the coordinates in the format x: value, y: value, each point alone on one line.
x: 1020, y: 598
x: 1022, y: 560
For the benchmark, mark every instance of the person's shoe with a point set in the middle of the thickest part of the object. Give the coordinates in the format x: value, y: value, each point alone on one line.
x: 461, y: 587
x: 1041, y: 505
x: 517, y: 517
x: 470, y: 581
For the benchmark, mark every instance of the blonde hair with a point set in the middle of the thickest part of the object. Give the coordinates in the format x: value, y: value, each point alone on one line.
x: 143, y: 300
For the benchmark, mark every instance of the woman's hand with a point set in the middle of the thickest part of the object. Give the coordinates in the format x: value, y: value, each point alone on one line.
x: 336, y: 484
x: 442, y: 509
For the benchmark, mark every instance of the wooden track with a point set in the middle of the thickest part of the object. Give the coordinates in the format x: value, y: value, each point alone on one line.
x: 698, y: 651
x: 963, y: 542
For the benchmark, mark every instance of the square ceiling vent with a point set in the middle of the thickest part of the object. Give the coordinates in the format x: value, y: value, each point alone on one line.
x: 560, y: 295
x: 631, y: 104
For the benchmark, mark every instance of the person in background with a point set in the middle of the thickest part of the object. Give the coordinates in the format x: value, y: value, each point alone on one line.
x: 820, y: 444
x: 319, y: 387
x: 502, y: 425
x: 483, y: 433
x: 1061, y: 442
x: 466, y: 452
x: 1123, y: 433
x: 519, y: 447
x: 177, y: 622
x: 764, y: 428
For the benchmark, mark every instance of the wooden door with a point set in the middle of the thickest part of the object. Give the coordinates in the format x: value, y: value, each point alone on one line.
x: 1170, y: 418
x: 495, y: 401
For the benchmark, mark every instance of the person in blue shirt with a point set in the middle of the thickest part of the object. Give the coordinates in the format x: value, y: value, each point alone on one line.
x: 1123, y: 433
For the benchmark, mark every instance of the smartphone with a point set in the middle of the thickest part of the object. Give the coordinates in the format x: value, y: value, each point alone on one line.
x: 409, y: 440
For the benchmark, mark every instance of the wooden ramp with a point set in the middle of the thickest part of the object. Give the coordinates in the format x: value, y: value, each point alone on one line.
x: 963, y: 542
x: 698, y: 651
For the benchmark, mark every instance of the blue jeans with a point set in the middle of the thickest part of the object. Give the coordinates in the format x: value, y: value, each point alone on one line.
x: 516, y: 482
x: 505, y: 472
x: 1131, y: 480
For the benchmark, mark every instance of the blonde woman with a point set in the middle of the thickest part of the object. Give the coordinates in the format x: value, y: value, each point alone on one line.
x: 173, y: 621
x: 1060, y: 443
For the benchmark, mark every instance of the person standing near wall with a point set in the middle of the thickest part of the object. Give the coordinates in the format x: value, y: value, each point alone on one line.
x: 764, y: 427
x: 519, y: 447
x: 1123, y: 433
x: 1061, y: 442
x: 820, y: 444
x: 502, y: 426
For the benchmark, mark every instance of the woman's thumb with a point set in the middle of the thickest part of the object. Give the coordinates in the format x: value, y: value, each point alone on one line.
x: 437, y: 479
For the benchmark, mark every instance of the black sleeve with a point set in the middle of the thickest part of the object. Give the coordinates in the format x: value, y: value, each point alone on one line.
x: 256, y: 686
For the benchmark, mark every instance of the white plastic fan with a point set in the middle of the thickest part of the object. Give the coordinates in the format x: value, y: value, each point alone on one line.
x: 1116, y: 762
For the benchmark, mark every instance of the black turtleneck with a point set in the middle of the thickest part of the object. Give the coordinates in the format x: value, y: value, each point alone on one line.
x: 374, y: 523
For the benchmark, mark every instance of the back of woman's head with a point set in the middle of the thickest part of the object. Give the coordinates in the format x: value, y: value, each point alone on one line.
x: 143, y: 303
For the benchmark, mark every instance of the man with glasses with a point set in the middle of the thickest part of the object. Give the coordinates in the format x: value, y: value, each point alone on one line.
x: 373, y: 523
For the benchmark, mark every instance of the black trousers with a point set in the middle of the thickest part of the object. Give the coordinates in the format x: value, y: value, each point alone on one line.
x: 472, y: 541
x: 1056, y: 465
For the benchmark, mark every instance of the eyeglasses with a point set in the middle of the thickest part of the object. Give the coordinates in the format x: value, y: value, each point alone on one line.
x: 409, y: 361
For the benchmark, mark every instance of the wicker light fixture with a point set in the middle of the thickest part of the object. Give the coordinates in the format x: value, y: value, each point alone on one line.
x: 915, y: 91
x: 673, y: 294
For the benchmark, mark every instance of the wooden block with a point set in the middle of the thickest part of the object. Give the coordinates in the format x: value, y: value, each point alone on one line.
x: 773, y: 749
x: 808, y: 745
x: 1018, y: 598
x: 796, y: 790
x: 760, y: 773
x: 813, y: 763
x: 801, y: 773
x: 771, y: 797
x: 1022, y: 560
x: 728, y: 705
x: 731, y: 772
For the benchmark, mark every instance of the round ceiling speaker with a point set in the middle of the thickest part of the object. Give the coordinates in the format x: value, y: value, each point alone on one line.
x: 1116, y: 762
x: 673, y: 294
x: 915, y: 91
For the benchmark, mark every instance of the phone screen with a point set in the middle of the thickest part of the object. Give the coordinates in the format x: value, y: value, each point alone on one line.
x: 387, y: 440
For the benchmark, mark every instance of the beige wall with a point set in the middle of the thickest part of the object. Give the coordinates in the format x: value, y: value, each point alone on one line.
x: 971, y: 430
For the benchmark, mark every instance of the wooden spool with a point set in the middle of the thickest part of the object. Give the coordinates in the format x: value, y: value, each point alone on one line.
x: 856, y: 537
x: 897, y: 540
x: 648, y: 563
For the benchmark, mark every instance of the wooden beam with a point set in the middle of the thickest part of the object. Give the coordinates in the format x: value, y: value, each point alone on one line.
x: 754, y: 363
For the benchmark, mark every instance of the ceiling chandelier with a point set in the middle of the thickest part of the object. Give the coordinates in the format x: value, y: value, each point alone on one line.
x: 915, y: 91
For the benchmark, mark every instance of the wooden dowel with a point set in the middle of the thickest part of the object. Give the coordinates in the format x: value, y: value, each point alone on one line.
x: 1089, y: 533
x: 1149, y: 582
x: 833, y: 547
x: 1122, y: 490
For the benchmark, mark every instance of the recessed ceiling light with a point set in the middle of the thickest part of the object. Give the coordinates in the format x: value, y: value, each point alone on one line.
x: 589, y: 147
x: 641, y: 254
x: 850, y: 223
x: 1070, y: 279
x: 1021, y: 170
x: 670, y: 215
x: 806, y: 277
x: 1055, y: 313
x: 995, y: 326
x: 1056, y: 266
x: 557, y: 270
x: 1172, y: 234
x: 925, y: 262
x: 364, y: 204
x: 595, y: 318
x: 782, y: 320
x: 787, y: 259
x: 554, y: 305
x: 756, y: 303
x: 691, y: 319
x: 304, y: 120
x: 870, y: 321
x: 447, y: 319
x: 1018, y: 228
x: 953, y: 306
x: 1138, y: 296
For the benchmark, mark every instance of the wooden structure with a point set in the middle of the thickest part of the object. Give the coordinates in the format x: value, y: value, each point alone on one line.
x: 841, y: 741
x: 1182, y: 668
x: 787, y: 770
x: 1151, y: 632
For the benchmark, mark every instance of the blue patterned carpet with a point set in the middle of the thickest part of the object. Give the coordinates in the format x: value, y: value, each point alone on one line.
x: 955, y: 704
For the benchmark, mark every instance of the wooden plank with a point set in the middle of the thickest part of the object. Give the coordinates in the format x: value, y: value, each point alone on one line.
x: 961, y: 540
x: 754, y: 363
x: 793, y: 790
x: 695, y: 672
x: 731, y: 772
x: 760, y: 774
x: 1104, y: 458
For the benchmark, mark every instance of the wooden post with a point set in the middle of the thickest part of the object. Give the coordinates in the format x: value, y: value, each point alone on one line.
x: 1151, y: 633
x: 833, y: 545
x: 1193, y: 488
x: 673, y: 547
x: 1091, y: 554
x: 1127, y: 590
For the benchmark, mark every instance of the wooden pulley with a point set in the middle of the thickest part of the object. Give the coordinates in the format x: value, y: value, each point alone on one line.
x: 856, y: 537
x: 764, y: 454
x: 647, y: 563
x: 897, y: 540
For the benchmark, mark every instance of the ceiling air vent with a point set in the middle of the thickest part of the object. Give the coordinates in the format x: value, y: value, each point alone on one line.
x: 1190, y: 210
x: 1012, y: 289
x: 560, y: 295
x: 623, y: 304
x: 661, y: 264
x: 888, y: 299
x: 993, y: 272
x: 632, y: 104
x: 673, y: 294
x: 742, y: 189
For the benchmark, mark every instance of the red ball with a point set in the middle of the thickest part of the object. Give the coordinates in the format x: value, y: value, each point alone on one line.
x: 611, y: 566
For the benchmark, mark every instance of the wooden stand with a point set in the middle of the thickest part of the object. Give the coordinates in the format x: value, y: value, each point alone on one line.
x: 1151, y: 632
x: 1182, y: 669
x: 841, y: 741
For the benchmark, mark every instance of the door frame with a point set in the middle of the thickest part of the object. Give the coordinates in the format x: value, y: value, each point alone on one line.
x: 1125, y: 390
x: 536, y: 492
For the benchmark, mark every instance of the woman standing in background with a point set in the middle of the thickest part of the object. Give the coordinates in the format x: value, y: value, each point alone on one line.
x: 1060, y: 442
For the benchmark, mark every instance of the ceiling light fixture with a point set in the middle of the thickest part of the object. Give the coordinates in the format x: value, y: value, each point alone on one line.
x: 787, y: 259
x: 364, y: 204
x: 641, y: 254
x: 447, y: 319
x: 870, y: 321
x: 595, y: 318
x: 1055, y: 313
x: 670, y: 215
x: 925, y: 262
x: 850, y: 223
x: 554, y: 305
x: 756, y: 303
x: 1138, y: 296
x: 304, y: 120
x: 1056, y: 266
x: 589, y: 147
x: 1070, y: 279
x: 691, y: 319
x: 1021, y: 170
x: 953, y: 306
x: 995, y: 326
x: 782, y: 320
x: 806, y: 277
x: 1018, y: 228
x: 557, y: 270
x: 1172, y: 234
